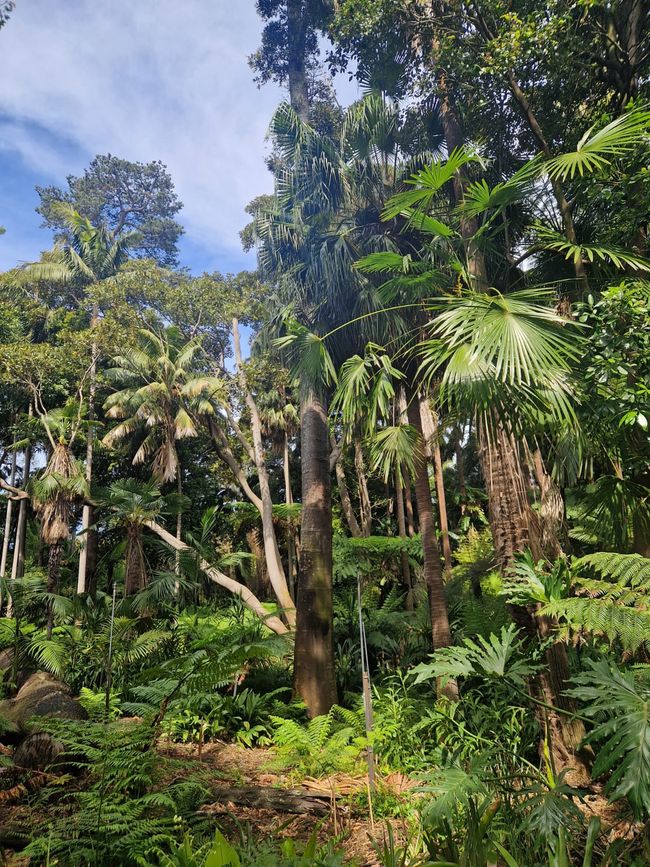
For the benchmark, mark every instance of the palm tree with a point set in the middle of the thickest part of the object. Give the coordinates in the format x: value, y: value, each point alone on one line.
x: 92, y: 254
x: 157, y: 385
x: 325, y: 215
x: 55, y: 490
x: 132, y: 505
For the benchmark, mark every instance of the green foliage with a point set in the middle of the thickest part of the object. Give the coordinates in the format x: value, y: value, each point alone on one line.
x: 498, y: 656
x: 613, y: 605
x: 118, y: 816
x: 621, y: 712
x: 328, y: 743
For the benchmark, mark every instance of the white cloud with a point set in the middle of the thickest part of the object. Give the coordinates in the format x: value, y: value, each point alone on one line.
x: 143, y: 79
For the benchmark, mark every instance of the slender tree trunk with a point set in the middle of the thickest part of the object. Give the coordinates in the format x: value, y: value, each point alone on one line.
x: 314, y: 677
x: 460, y: 469
x: 440, y: 630
x: 408, y: 504
x: 404, y: 557
x: 364, y: 496
x: 53, y: 578
x: 87, y: 515
x: 344, y: 495
x: 248, y: 598
x: 296, y: 52
x: 288, y: 499
x: 432, y: 451
x: 271, y: 548
x: 8, y: 520
x: 18, y: 564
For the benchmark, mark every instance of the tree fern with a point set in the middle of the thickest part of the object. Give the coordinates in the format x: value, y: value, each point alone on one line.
x: 613, y: 605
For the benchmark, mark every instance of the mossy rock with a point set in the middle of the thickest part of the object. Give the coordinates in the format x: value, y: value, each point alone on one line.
x: 41, y: 696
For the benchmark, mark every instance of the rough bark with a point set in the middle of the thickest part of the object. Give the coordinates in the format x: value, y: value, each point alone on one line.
x: 365, y: 506
x: 404, y: 557
x: 344, y: 495
x: 53, y: 577
x: 296, y: 56
x: 314, y: 677
x: 512, y: 521
x: 440, y: 630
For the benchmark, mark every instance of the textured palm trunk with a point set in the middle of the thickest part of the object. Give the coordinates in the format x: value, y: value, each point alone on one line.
x: 440, y: 631
x: 404, y: 557
x: 430, y: 427
x: 135, y: 572
x: 314, y: 676
x: 53, y: 578
x: 512, y: 521
x: 554, y: 537
x: 514, y: 526
x: 365, y: 506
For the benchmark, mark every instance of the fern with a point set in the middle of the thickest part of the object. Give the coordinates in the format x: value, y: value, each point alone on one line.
x: 320, y: 747
x: 614, y: 605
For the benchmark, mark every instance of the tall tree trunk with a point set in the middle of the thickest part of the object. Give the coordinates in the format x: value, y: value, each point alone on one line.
x: 430, y: 427
x: 18, y: 564
x: 344, y: 495
x: 296, y: 55
x: 8, y: 519
x: 53, y: 578
x: 87, y: 515
x: 408, y: 504
x: 271, y: 548
x: 401, y: 529
x: 364, y: 496
x: 288, y: 499
x: 440, y: 630
x: 314, y: 676
x: 511, y: 519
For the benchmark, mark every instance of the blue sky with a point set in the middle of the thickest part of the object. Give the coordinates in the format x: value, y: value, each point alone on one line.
x: 144, y: 80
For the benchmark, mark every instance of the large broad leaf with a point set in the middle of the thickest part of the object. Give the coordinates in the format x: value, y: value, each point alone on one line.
x: 496, y: 656
x: 623, y: 739
x: 595, y: 149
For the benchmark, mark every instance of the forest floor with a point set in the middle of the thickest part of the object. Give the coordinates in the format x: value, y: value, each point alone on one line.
x: 345, y: 796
